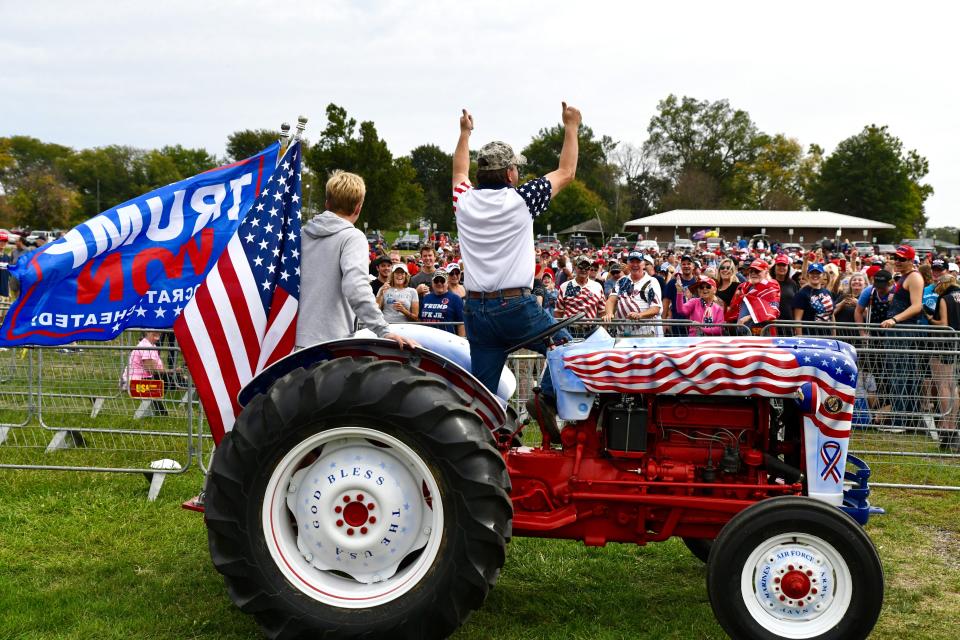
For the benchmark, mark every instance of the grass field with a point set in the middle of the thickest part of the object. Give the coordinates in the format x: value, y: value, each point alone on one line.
x: 85, y: 556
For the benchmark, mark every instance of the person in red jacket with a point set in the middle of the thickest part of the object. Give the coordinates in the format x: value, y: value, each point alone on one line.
x: 756, y: 302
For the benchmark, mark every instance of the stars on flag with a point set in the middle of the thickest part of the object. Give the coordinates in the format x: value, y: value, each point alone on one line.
x: 271, y: 236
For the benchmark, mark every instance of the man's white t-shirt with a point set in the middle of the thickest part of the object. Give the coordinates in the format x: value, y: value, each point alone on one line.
x: 496, y: 233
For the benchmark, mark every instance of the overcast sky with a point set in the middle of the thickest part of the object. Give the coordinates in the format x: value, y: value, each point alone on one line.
x: 85, y: 73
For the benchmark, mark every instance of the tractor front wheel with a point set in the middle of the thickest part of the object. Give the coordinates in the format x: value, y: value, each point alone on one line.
x: 793, y: 567
x: 359, y: 498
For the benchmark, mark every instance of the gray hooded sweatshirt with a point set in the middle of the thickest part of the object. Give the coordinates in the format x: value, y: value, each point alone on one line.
x: 334, y: 288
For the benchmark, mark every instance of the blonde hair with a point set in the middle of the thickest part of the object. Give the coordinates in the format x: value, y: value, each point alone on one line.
x: 947, y: 280
x: 848, y: 283
x: 345, y: 191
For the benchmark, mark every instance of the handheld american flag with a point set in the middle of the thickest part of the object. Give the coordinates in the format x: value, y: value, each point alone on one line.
x: 244, y: 315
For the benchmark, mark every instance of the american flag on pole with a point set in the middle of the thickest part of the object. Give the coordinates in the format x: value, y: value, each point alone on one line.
x: 771, y: 367
x: 244, y: 316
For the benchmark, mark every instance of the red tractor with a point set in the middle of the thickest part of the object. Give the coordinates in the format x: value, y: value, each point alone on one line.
x: 368, y: 492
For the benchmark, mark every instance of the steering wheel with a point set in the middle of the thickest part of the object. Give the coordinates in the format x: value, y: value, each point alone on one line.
x: 548, y: 332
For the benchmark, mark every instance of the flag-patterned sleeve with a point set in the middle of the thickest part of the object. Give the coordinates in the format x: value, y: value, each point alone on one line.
x: 536, y: 194
x: 458, y: 190
x: 653, y: 294
x: 624, y: 287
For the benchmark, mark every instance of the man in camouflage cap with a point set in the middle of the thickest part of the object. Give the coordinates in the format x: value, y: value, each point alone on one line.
x: 498, y: 155
x: 495, y: 222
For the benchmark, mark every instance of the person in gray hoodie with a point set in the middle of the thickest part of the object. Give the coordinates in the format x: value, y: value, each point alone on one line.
x: 334, y: 290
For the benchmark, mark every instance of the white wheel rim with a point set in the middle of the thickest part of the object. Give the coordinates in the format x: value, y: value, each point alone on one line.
x: 322, y: 524
x: 796, y: 585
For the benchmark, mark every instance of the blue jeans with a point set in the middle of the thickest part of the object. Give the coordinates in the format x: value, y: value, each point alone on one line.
x: 496, y: 324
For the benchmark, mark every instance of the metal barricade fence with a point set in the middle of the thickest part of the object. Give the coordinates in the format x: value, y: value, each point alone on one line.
x: 905, y: 418
x: 68, y: 408
x: 64, y: 408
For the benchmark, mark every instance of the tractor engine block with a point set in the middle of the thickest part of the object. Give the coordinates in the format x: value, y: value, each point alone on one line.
x: 648, y: 467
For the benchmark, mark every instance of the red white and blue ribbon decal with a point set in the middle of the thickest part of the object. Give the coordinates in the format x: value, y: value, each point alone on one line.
x: 830, y: 455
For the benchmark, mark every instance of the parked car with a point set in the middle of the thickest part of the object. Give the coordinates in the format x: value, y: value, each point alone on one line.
x: 864, y: 248
x: 922, y: 246
x: 648, y: 246
x: 793, y: 247
x: 547, y: 243
x: 407, y: 242
x: 374, y: 238
x: 682, y: 246
x: 886, y: 249
x: 579, y: 242
x: 617, y: 243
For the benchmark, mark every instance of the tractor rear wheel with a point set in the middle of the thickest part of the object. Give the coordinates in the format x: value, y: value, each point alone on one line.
x: 359, y: 498
x: 794, y: 567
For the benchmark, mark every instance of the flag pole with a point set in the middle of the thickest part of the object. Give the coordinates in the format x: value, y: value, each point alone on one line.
x: 284, y: 140
x: 301, y: 125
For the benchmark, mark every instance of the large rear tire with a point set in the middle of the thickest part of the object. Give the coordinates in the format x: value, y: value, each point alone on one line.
x: 359, y: 498
x: 794, y: 567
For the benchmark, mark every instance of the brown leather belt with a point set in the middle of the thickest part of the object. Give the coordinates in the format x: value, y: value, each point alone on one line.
x: 516, y: 292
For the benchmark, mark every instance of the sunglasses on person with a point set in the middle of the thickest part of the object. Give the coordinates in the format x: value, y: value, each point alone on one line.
x: 706, y: 286
x: 726, y: 267
x: 900, y: 259
x: 754, y: 272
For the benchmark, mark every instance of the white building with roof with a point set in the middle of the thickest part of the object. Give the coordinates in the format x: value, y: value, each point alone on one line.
x: 804, y: 227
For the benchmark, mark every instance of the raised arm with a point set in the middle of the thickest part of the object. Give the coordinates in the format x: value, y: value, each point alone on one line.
x: 567, y: 168
x: 461, y: 156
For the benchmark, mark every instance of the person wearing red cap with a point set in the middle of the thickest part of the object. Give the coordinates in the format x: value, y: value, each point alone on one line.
x: 756, y: 303
x: 788, y: 288
x: 704, y: 311
x: 903, y: 361
x: 908, y: 294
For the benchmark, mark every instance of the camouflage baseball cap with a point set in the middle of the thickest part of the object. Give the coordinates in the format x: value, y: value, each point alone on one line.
x: 498, y: 155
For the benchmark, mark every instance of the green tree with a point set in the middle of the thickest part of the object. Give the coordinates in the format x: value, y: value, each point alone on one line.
x: 434, y: 174
x: 689, y: 138
x: 154, y: 169
x: 695, y: 189
x: 189, y: 162
x: 7, y: 161
x: 8, y: 215
x: 19, y: 155
x: 575, y: 204
x: 35, y: 194
x: 945, y: 234
x: 640, y: 186
x: 393, y: 195
x: 247, y: 142
x: 108, y: 176
x: 43, y: 201
x: 778, y: 176
x: 869, y: 175
x: 594, y: 167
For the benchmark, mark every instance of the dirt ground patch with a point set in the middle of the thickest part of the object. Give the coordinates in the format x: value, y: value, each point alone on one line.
x: 946, y: 545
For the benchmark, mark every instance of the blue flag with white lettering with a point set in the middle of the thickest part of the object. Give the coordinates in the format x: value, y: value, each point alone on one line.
x: 136, y: 264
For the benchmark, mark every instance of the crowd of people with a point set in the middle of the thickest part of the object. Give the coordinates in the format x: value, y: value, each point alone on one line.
x: 751, y: 289
x: 737, y: 291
